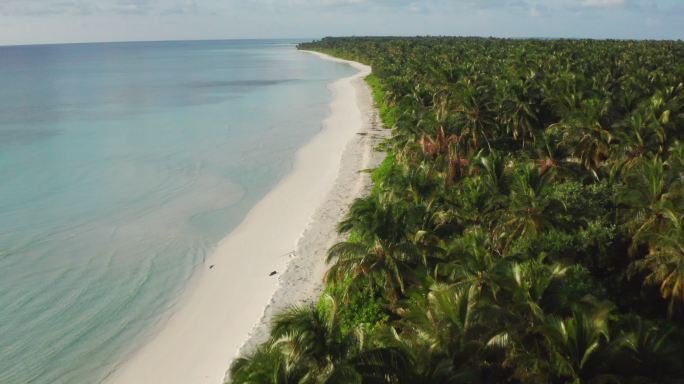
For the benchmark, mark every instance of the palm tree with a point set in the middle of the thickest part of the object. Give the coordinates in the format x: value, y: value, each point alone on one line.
x: 264, y: 366
x: 646, y: 349
x: 492, y: 169
x: 578, y: 349
x: 421, y: 183
x: 587, y: 134
x: 468, y: 260
x: 520, y: 108
x: 441, y: 333
x: 562, y: 93
x: 378, y: 265
x: 447, y: 148
x: 371, y: 218
x: 309, y: 340
x: 640, y: 136
x: 511, y: 304
x: 651, y: 192
x: 667, y: 109
x: 307, y: 347
x: 531, y: 208
x: 552, y: 156
x: 474, y: 112
x: 516, y: 290
x: 665, y: 260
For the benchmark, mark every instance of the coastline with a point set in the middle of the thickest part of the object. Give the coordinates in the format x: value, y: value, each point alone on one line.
x: 302, y: 281
x: 227, y: 309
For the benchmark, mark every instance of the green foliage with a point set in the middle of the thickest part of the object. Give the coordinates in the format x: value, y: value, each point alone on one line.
x: 383, y: 172
x: 526, y: 225
x: 583, y: 202
x: 359, y: 308
x: 387, y: 113
x: 553, y: 244
x: 575, y: 290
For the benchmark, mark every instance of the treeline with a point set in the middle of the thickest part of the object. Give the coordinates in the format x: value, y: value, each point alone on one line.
x: 525, y: 227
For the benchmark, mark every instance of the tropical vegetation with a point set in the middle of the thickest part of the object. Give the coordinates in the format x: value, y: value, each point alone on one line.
x: 526, y: 225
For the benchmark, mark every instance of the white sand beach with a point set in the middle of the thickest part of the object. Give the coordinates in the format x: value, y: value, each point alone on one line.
x: 228, y: 306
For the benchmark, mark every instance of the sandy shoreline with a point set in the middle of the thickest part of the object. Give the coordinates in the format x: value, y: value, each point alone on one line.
x: 228, y: 307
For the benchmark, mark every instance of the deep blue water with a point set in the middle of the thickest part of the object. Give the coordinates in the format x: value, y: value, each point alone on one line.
x: 121, y: 166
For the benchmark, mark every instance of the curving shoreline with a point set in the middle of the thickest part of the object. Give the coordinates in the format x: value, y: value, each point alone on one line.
x: 300, y: 214
x: 302, y: 281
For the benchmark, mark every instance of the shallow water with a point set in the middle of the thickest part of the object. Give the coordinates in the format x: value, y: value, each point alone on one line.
x: 121, y: 166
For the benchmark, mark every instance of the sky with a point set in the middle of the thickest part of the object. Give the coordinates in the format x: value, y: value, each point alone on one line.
x: 68, y: 21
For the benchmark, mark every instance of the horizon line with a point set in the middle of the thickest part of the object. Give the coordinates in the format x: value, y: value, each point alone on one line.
x: 303, y: 39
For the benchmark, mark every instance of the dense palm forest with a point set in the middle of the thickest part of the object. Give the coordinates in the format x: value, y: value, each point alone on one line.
x: 527, y: 225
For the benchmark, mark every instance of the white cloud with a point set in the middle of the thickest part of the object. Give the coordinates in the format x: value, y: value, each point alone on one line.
x: 31, y: 21
x: 44, y: 7
x: 89, y: 7
x: 603, y: 3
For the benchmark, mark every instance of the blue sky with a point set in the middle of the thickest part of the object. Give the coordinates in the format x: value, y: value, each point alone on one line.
x: 48, y: 21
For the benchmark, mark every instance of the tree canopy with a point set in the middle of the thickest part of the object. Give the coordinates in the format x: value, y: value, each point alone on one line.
x: 525, y: 226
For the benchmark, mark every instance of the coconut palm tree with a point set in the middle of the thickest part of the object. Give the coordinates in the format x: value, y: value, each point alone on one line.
x: 468, y: 259
x: 531, y: 208
x: 652, y: 190
x: 665, y: 260
x: 371, y: 218
x: 520, y: 108
x: 552, y: 156
x: 641, y: 135
x: 307, y: 346
x: 379, y: 265
x: 264, y: 366
x: 474, y: 112
x: 587, y: 133
x: 579, y: 349
x: 646, y: 349
x: 442, y: 334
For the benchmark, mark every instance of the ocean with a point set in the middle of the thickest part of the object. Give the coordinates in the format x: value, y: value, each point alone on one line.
x: 122, y: 165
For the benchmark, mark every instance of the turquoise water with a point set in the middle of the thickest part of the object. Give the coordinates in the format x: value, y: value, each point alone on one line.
x: 121, y: 166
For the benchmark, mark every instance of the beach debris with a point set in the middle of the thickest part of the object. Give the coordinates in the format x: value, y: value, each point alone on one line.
x: 211, y: 266
x: 273, y: 273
